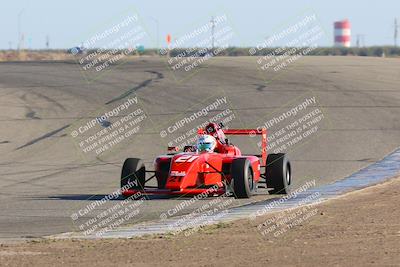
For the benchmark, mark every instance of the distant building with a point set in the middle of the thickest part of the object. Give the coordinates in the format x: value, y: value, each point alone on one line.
x: 342, y: 33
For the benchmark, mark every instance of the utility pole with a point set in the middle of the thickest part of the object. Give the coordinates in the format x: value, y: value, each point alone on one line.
x: 360, y: 40
x: 396, y: 27
x: 29, y: 43
x: 47, y: 42
x: 212, y: 32
x: 19, y: 41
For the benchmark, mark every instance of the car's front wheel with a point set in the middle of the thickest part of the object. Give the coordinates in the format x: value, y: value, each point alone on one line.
x: 242, y: 176
x: 278, y: 173
x: 133, y: 174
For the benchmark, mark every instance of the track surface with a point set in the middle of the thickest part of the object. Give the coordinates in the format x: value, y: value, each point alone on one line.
x: 44, y: 178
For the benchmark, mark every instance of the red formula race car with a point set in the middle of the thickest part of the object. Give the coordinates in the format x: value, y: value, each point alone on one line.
x: 213, y: 166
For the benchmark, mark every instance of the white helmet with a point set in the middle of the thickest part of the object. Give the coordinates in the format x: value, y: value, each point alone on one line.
x: 206, y: 143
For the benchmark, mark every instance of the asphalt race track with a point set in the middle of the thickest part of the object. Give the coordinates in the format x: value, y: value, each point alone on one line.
x: 45, y: 177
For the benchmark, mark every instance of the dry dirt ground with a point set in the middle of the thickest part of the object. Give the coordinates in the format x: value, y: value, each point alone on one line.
x: 13, y: 55
x: 361, y: 228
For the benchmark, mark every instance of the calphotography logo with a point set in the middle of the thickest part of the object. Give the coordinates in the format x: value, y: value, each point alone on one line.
x: 109, y: 128
x: 102, y: 216
x: 182, y: 131
x: 298, y: 38
x: 195, y: 115
x: 294, y: 125
x: 187, y: 52
x: 288, y: 216
x: 207, y: 214
x: 111, y: 45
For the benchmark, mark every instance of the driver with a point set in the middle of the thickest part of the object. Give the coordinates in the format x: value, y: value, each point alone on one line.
x: 206, y: 143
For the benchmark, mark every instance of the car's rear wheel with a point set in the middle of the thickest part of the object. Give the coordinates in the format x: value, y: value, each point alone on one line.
x: 133, y: 174
x: 242, y: 176
x: 278, y: 174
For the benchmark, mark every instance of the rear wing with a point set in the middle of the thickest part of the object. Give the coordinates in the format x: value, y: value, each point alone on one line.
x: 251, y: 133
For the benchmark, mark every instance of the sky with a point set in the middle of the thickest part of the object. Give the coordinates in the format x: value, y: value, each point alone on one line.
x: 69, y: 23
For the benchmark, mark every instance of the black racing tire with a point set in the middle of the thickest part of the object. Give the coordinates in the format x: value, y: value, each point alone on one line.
x: 242, y: 176
x: 163, y: 173
x: 278, y: 174
x: 133, y: 171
